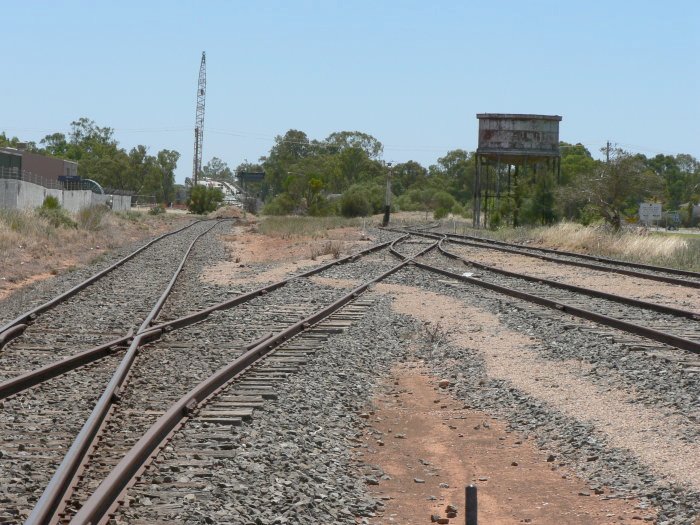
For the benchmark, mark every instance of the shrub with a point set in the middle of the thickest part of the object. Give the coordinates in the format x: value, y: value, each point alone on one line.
x: 355, y: 204
x: 204, y: 200
x: 51, y: 203
x: 282, y: 204
x: 130, y: 215
x: 57, y: 217
x: 158, y: 210
x: 441, y: 200
x: 440, y: 213
x: 335, y: 248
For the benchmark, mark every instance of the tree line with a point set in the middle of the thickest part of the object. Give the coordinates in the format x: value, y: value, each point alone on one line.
x: 344, y: 174
x: 100, y: 158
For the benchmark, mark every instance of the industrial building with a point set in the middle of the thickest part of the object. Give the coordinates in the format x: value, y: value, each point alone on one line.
x: 39, y: 168
x: 27, y: 178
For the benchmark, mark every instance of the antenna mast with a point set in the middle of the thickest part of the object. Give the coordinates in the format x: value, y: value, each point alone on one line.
x: 199, y: 122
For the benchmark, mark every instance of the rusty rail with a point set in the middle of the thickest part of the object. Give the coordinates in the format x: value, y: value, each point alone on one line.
x: 582, y: 264
x: 34, y: 377
x: 650, y: 333
x: 579, y: 289
x: 105, y: 496
x: 598, y: 258
x: 60, y: 483
x: 15, y: 327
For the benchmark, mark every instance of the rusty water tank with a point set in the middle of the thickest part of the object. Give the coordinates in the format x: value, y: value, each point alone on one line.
x: 515, y: 136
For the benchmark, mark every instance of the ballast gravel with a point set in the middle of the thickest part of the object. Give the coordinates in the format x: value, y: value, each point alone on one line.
x: 297, y: 461
x: 573, y: 443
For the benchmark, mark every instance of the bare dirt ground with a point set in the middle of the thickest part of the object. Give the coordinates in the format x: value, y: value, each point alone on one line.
x: 432, y: 447
x: 647, y: 433
x: 285, y: 255
x: 652, y: 291
x: 25, y: 260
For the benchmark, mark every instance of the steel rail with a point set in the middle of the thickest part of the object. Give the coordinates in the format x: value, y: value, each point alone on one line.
x: 573, y: 288
x: 15, y: 327
x: 582, y: 264
x: 61, y: 480
x: 40, y: 375
x: 599, y: 258
x: 650, y: 333
x: 105, y: 496
x: 59, y: 485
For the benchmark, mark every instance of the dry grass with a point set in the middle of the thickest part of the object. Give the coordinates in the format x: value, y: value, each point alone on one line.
x: 630, y: 245
x: 31, y: 248
x: 295, y: 226
x: 334, y: 248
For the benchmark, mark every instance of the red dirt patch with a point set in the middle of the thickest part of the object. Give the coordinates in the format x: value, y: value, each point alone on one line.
x: 443, y: 442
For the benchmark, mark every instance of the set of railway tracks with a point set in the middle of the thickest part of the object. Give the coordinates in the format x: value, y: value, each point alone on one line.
x: 212, y: 369
x: 142, y: 387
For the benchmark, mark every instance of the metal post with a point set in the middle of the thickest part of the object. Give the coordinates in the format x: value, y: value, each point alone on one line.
x: 470, y: 511
x: 477, y: 194
x: 387, y: 198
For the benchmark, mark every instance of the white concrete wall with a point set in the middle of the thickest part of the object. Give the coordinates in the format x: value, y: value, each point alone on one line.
x: 19, y: 194
x: 121, y: 202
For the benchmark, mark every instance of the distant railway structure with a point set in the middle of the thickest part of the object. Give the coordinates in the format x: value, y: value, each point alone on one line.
x: 510, y: 145
x: 199, y: 119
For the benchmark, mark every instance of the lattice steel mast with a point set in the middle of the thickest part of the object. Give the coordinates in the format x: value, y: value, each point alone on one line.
x: 199, y: 122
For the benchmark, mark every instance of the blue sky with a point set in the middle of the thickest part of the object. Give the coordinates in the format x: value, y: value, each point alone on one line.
x: 413, y: 74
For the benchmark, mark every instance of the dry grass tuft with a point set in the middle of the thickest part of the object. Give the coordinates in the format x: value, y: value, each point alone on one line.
x: 32, y: 248
x: 631, y: 245
x: 296, y: 226
x: 334, y: 248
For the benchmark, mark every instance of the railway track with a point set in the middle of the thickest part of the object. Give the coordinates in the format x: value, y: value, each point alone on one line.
x: 151, y: 374
x: 674, y: 276
x: 676, y: 327
x: 102, y: 310
x: 197, y: 377
x: 41, y: 425
x: 13, y: 327
x: 35, y: 409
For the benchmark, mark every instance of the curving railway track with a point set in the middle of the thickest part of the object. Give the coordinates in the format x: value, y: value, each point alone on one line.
x: 676, y: 276
x: 141, y: 371
x: 83, y: 434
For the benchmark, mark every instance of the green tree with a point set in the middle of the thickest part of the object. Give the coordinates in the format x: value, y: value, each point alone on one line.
x: 459, y: 170
x: 342, y: 140
x: 217, y: 169
x: 619, y: 185
x: 204, y: 199
x: 406, y: 175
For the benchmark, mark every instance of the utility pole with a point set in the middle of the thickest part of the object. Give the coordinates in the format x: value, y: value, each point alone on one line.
x: 607, y: 153
x: 387, y: 198
x: 199, y: 121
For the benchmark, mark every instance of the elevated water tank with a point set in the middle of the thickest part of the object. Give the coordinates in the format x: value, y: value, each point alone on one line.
x: 514, y: 137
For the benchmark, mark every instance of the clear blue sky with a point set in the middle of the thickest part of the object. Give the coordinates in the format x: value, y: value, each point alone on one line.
x: 411, y: 73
